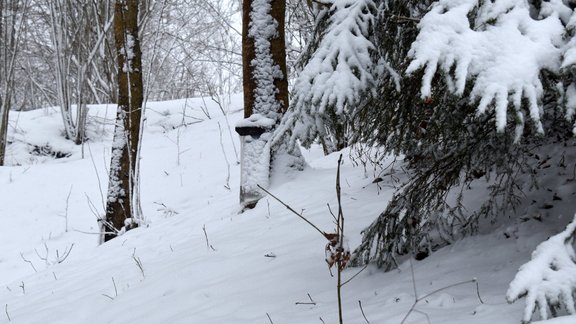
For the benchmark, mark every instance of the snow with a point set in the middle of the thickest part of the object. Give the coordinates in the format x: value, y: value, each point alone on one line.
x: 550, y: 277
x: 502, y: 53
x: 128, y: 52
x: 115, y: 190
x: 339, y: 70
x: 262, y: 29
x: 263, y: 261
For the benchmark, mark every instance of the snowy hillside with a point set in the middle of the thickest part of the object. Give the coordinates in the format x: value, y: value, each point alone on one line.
x: 200, y: 260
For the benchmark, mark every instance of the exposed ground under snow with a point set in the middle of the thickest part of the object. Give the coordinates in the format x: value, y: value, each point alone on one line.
x: 264, y: 264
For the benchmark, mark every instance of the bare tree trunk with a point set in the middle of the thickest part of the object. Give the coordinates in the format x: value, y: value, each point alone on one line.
x: 58, y: 21
x: 12, y: 15
x: 121, y: 212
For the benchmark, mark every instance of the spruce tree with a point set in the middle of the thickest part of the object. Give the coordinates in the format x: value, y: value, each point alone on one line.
x: 440, y: 83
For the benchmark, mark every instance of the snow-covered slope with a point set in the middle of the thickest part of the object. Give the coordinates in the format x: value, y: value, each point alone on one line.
x: 200, y: 260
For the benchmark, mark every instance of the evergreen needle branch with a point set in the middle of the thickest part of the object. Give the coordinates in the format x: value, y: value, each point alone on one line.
x: 293, y: 211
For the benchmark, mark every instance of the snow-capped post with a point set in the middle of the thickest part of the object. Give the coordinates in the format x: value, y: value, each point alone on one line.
x: 265, y: 91
x: 122, y: 212
x: 548, y: 280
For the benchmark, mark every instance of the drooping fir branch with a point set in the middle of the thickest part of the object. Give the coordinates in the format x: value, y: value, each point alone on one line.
x: 340, y: 69
x: 500, y: 48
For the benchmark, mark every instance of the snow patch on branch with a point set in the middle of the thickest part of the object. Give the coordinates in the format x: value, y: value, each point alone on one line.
x: 502, y: 52
x: 339, y: 71
x: 549, y: 279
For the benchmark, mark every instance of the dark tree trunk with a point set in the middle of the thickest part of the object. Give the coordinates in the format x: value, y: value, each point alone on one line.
x: 123, y: 167
x: 278, y: 49
x: 254, y: 143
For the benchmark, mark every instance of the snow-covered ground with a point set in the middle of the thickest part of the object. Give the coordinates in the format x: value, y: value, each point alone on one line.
x: 200, y: 260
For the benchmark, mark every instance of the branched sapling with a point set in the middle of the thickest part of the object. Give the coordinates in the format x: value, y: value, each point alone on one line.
x: 336, y: 254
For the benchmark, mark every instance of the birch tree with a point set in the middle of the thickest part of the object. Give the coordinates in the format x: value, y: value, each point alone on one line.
x: 78, y: 31
x: 12, y: 15
x: 122, y: 211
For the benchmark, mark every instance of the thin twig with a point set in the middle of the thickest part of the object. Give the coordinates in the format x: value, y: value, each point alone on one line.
x: 65, y: 255
x: 339, y: 247
x: 269, y: 318
x: 478, y: 291
x: 208, y: 245
x: 446, y: 287
x: 312, y: 302
x: 413, y: 281
x: 28, y: 261
x: 423, y: 313
x: 95, y: 233
x: 418, y: 299
x: 111, y: 298
x: 403, y: 18
x: 7, y: 315
x: 362, y: 310
x: 66, y: 210
x: 100, y: 191
x: 332, y: 213
x: 354, y: 276
x: 227, y: 185
x: 139, y: 264
x: 293, y: 211
x: 115, y: 290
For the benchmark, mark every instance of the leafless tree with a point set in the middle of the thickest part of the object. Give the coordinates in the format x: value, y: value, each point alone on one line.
x: 12, y: 15
x: 122, y: 210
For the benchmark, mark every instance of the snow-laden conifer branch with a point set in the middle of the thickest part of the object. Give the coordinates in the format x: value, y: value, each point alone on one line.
x: 338, y: 72
x: 549, y: 279
x: 496, y: 58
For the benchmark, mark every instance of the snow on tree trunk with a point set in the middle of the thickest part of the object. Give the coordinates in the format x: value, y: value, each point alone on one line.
x: 58, y: 33
x: 265, y: 91
x: 122, y: 213
x: 548, y: 280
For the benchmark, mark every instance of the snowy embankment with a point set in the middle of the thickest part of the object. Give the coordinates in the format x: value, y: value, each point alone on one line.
x: 199, y: 260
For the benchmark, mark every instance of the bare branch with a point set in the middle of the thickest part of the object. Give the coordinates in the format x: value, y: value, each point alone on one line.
x: 293, y: 211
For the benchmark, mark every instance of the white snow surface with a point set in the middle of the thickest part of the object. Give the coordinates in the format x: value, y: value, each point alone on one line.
x: 199, y: 260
